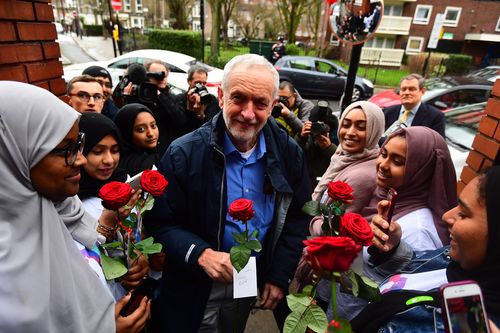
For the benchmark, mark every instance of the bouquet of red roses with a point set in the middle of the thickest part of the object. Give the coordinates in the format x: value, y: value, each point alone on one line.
x: 330, y: 256
x: 115, y: 195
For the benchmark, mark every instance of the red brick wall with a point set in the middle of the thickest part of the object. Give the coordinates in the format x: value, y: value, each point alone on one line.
x: 28, y: 51
x: 486, y: 144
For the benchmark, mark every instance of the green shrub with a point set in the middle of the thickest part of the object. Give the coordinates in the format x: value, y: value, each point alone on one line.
x: 93, y: 29
x: 457, y: 64
x: 292, y: 49
x: 183, y: 41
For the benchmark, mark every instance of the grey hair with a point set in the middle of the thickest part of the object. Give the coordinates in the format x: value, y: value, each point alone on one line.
x: 415, y: 76
x: 196, y: 69
x: 248, y: 61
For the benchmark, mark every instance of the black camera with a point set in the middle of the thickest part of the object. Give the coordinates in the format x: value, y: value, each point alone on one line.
x: 284, y: 100
x: 319, y: 128
x: 145, y: 91
x: 202, y: 91
x: 276, y: 112
x: 156, y: 75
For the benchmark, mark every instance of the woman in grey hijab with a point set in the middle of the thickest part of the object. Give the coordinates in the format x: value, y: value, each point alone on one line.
x: 45, y: 284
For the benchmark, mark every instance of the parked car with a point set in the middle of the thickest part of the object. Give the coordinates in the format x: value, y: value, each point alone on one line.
x: 443, y: 93
x: 490, y: 73
x: 462, y: 124
x: 177, y: 63
x: 320, y: 78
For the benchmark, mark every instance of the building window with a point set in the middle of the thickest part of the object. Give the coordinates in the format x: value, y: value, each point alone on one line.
x: 414, y: 45
x: 381, y: 43
x: 126, y: 5
x: 498, y: 27
x: 422, y: 14
x: 393, y: 10
x: 137, y: 22
x: 138, y: 6
x: 451, y: 16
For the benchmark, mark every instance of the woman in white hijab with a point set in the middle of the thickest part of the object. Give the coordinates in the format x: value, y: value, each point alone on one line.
x: 45, y: 284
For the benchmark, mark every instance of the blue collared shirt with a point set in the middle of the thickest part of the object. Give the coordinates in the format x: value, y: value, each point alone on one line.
x: 412, y: 114
x: 245, y: 179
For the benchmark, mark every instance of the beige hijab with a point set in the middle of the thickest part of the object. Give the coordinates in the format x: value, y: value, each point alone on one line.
x: 375, y: 124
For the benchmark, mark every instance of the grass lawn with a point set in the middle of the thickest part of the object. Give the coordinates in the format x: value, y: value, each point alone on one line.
x: 380, y: 77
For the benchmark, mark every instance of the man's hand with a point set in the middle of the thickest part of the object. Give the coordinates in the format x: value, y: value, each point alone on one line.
x: 385, y: 237
x: 194, y: 103
x: 217, y: 265
x: 271, y: 296
x: 306, y: 129
x: 285, y: 111
x: 323, y: 141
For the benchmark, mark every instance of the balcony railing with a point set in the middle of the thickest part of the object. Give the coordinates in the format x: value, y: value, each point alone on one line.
x: 381, y: 57
x: 395, y: 25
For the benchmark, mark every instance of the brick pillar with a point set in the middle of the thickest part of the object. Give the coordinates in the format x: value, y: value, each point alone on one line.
x: 28, y: 51
x: 487, y: 141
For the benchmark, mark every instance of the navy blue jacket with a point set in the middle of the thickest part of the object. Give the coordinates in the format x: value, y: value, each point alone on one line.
x: 426, y: 115
x: 190, y: 217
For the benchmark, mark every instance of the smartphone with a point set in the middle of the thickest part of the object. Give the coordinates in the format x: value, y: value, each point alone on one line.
x: 392, y: 196
x: 146, y: 288
x: 463, y: 307
x: 135, y: 182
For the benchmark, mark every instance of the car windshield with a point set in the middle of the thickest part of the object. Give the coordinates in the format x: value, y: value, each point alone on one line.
x: 199, y: 63
x: 462, y: 124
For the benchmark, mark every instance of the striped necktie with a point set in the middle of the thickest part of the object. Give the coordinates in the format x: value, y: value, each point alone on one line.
x: 404, y: 117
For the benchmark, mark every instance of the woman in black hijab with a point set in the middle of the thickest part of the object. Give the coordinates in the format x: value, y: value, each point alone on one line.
x: 140, y: 135
x: 473, y: 254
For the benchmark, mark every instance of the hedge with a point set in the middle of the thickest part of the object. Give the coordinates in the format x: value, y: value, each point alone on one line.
x: 92, y: 29
x: 182, y: 41
x: 457, y: 64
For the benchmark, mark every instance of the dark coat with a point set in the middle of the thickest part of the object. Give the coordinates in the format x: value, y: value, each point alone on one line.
x: 426, y: 115
x: 190, y: 217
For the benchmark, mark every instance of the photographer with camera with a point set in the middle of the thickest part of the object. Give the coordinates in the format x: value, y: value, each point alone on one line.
x: 316, y: 138
x: 197, y: 103
x: 146, y: 88
x: 292, y: 111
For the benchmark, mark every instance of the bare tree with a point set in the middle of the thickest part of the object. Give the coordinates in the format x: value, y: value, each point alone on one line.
x: 249, y: 19
x: 290, y: 13
x: 215, y: 9
x: 227, y: 8
x: 180, y: 10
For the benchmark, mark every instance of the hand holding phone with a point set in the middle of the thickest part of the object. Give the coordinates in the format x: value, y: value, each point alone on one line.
x: 392, y: 196
x: 463, y: 307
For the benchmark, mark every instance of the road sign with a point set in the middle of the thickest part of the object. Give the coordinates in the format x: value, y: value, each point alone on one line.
x: 436, y: 31
x: 116, y: 4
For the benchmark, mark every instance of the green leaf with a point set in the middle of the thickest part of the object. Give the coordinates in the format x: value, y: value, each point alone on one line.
x: 254, y: 245
x: 112, y: 268
x: 133, y: 217
x: 239, y: 255
x: 115, y: 245
x: 324, y: 209
x: 307, y: 290
x: 239, y: 237
x: 364, y: 287
x: 311, y: 208
x: 146, y: 242
x: 128, y: 223
x: 254, y: 234
x: 316, y: 318
x: 150, y: 201
x: 298, y: 302
x: 151, y: 249
x: 295, y: 323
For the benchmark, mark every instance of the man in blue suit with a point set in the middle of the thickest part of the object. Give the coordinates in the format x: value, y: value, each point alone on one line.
x: 412, y: 111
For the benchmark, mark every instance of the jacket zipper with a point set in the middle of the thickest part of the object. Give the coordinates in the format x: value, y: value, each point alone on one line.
x: 221, y: 197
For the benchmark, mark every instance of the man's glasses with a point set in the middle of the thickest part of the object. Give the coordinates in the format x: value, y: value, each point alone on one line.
x: 85, y: 96
x: 70, y: 152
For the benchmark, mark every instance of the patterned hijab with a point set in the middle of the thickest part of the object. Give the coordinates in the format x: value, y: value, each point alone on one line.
x: 375, y: 124
x: 46, y: 285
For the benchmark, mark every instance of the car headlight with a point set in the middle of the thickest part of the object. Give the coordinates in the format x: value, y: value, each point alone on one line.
x: 367, y: 82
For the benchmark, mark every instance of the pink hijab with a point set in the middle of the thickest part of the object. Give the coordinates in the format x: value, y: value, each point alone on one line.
x: 429, y: 180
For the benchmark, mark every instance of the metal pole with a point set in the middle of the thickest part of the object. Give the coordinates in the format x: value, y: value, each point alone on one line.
x: 351, y: 75
x: 112, y: 26
x: 202, y: 26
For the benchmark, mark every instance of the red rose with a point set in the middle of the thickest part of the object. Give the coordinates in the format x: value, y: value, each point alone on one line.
x: 355, y: 226
x: 153, y: 182
x: 331, y: 254
x: 340, y: 191
x: 241, y: 209
x: 115, y: 195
